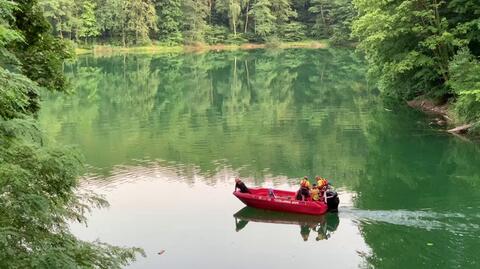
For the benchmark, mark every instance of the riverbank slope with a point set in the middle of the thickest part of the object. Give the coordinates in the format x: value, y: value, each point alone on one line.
x: 446, y: 116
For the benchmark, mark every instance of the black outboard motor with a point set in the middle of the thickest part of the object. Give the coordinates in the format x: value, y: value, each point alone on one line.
x: 332, y: 200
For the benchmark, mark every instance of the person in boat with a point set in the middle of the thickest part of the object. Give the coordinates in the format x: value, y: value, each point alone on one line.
x: 322, y: 185
x: 304, y: 192
x: 241, y: 186
x: 315, y: 193
x: 321, y: 182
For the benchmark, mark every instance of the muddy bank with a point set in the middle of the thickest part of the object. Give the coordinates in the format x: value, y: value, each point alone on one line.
x: 444, y: 117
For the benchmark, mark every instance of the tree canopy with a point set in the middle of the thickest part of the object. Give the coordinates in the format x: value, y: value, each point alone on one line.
x: 129, y: 22
x: 420, y: 47
x: 38, y: 180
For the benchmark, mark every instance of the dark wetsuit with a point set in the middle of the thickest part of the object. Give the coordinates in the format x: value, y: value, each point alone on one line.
x: 242, y: 187
x: 303, y: 193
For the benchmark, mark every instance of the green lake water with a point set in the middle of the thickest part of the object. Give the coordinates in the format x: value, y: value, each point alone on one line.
x: 165, y: 135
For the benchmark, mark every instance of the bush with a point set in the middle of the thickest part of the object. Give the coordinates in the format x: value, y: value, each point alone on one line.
x: 465, y: 83
x: 273, y: 42
x: 253, y: 38
x: 239, y: 39
x: 292, y: 32
x: 216, y: 34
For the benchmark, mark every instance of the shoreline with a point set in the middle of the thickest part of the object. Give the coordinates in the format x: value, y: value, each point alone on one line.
x: 109, y: 49
x: 447, y: 117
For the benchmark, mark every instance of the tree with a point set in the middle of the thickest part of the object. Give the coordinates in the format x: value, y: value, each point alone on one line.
x: 408, y: 45
x: 283, y: 12
x: 88, y: 26
x: 423, y: 48
x: 141, y: 19
x: 321, y: 10
x: 247, y: 14
x: 343, y: 15
x: 233, y: 8
x: 112, y: 17
x: 465, y: 83
x: 332, y: 19
x: 271, y: 17
x: 195, y: 13
x: 58, y: 13
x: 38, y: 181
x: 132, y: 21
x: 264, y: 20
x: 169, y: 20
x: 43, y: 53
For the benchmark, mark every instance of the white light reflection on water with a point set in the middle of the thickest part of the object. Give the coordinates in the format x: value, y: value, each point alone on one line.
x: 190, y: 216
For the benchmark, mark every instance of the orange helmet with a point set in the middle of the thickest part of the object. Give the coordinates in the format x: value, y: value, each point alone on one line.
x: 322, y: 182
x: 304, y: 183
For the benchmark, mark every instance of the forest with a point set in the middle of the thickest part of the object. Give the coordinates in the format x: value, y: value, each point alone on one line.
x: 415, y: 48
x: 133, y: 22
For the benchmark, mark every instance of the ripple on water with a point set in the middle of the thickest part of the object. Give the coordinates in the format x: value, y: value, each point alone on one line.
x: 453, y: 222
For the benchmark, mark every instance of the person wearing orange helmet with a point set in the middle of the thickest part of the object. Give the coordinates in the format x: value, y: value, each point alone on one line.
x: 304, y: 192
x: 322, y: 183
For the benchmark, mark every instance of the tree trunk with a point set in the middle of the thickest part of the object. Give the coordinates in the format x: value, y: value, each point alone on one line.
x: 234, y: 28
x: 77, y: 39
x: 461, y: 129
x: 210, y: 7
x: 323, y: 17
x: 60, y: 32
x: 246, y: 18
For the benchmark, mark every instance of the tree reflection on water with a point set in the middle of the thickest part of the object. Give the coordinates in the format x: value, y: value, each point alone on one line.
x: 279, y: 115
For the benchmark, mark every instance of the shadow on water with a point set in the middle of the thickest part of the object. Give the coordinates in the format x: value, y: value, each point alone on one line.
x: 324, y: 226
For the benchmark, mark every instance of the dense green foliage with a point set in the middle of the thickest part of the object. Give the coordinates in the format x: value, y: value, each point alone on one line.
x: 169, y: 20
x: 414, y: 47
x: 222, y: 21
x: 420, y: 47
x: 88, y: 22
x: 38, y: 180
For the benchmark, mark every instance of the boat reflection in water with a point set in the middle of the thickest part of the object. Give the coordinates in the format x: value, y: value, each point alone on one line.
x: 324, y: 225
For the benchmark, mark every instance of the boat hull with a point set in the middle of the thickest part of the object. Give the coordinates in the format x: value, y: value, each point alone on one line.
x: 283, y: 201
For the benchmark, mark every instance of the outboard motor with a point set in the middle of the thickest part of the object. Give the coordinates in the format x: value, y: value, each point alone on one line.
x: 332, y: 200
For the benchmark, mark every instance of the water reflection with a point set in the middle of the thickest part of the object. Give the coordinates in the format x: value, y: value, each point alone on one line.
x: 285, y: 113
x: 197, y: 121
x: 322, y: 226
x: 159, y: 207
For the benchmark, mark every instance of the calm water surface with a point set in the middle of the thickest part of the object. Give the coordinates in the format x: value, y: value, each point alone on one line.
x: 164, y: 136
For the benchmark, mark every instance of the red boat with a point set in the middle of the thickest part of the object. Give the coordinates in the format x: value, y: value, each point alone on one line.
x: 279, y: 200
